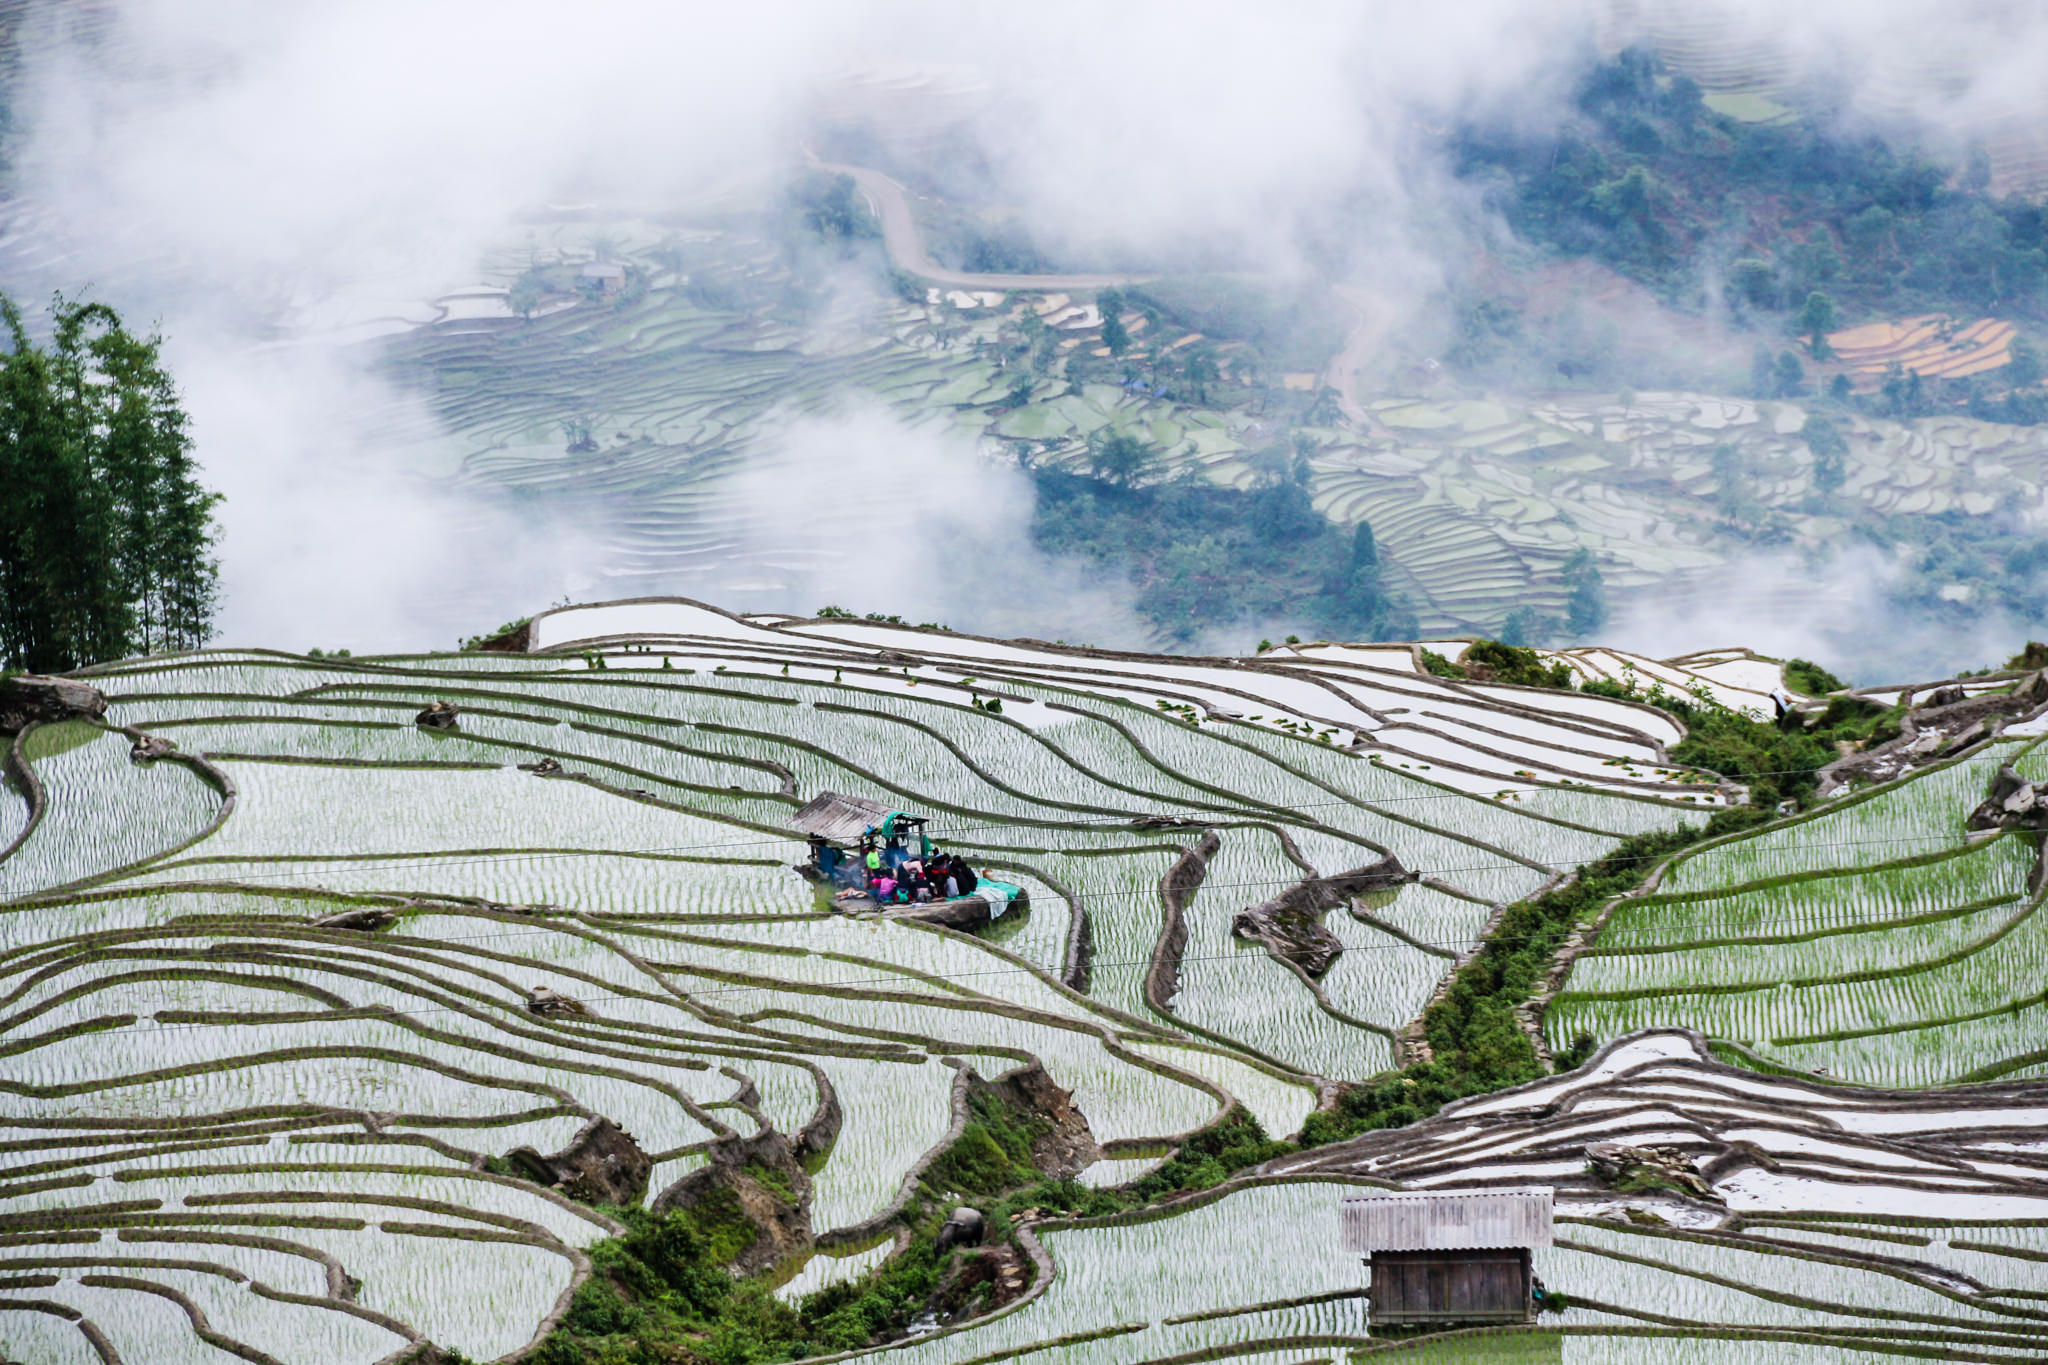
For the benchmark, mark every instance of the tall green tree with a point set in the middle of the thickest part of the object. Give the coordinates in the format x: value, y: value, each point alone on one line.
x: 1525, y: 626
x: 1202, y: 371
x: 1731, y: 484
x: 2024, y: 370
x: 1816, y: 320
x: 106, y: 533
x: 1789, y: 375
x: 1120, y: 458
x: 1585, y: 608
x: 1365, y: 551
x: 1111, y: 303
x: 1763, y: 373
x: 1830, y: 452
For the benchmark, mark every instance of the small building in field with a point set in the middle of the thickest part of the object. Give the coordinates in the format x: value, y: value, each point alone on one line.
x: 606, y: 277
x: 1448, y: 1256
x: 842, y: 829
x: 851, y: 822
x: 845, y: 831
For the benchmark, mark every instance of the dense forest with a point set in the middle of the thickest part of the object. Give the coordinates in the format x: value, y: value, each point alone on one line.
x: 1204, y: 557
x: 1648, y: 179
x: 106, y: 534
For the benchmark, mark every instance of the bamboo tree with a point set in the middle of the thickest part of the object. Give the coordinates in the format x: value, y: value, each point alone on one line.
x: 165, y: 550
x: 106, y: 533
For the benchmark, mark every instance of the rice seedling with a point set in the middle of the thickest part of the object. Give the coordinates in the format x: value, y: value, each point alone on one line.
x: 650, y: 882
x: 104, y: 813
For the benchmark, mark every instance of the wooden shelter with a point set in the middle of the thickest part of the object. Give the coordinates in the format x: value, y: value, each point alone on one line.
x: 845, y: 821
x: 842, y: 829
x: 1449, y: 1255
x: 839, y: 819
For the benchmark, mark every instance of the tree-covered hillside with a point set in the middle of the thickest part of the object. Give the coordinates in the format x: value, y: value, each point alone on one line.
x: 1647, y: 178
x: 1204, y: 558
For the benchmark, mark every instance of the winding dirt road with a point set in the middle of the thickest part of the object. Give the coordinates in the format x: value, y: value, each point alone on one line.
x: 1375, y: 319
x: 904, y: 241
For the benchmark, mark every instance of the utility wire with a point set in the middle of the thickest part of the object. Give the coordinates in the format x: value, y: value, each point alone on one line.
x: 316, y: 865
x: 917, y: 977
x: 1106, y: 822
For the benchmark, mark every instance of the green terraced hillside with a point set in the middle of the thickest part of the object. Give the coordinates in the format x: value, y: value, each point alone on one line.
x: 638, y: 413
x: 274, y: 1002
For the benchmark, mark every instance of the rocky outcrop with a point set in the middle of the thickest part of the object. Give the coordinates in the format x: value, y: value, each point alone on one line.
x: 148, y: 748
x: 980, y: 1282
x: 2017, y: 804
x: 2012, y: 803
x: 601, y: 1165
x: 368, y: 919
x: 440, y: 715
x: 423, y: 1353
x: 756, y: 1187
x: 550, y: 1003
x: 1166, y: 822
x: 1176, y: 889
x: 1291, y: 924
x: 965, y: 913
x: 517, y: 640
x: 1947, y: 721
x: 1064, y: 1144
x: 1645, y: 1170
x: 1292, y: 935
x: 30, y: 699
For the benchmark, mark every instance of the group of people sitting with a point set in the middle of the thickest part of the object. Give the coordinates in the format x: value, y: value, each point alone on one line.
x: 893, y: 875
x: 935, y: 877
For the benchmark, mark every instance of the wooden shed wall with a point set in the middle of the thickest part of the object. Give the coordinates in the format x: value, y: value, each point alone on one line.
x: 1446, y: 1220
x: 1440, y: 1286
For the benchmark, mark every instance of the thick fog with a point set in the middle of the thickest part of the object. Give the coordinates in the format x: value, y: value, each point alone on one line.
x: 239, y: 171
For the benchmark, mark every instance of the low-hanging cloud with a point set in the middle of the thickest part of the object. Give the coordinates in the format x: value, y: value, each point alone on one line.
x: 330, y: 541
x: 234, y: 168
x: 863, y: 510
x: 1838, y: 612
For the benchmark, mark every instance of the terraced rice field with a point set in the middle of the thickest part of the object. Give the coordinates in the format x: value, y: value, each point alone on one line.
x: 685, y: 387
x: 1742, y: 66
x: 1872, y: 941
x: 231, y: 1130
x: 1837, y: 1221
x: 1934, y: 345
x: 1473, y: 497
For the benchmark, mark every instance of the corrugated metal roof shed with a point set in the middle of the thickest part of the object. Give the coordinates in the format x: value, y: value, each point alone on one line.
x: 842, y: 819
x: 1447, y: 1220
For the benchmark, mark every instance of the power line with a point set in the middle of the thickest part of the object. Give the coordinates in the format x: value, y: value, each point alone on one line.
x: 1251, y: 816
x: 913, y: 975
x: 339, y: 863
